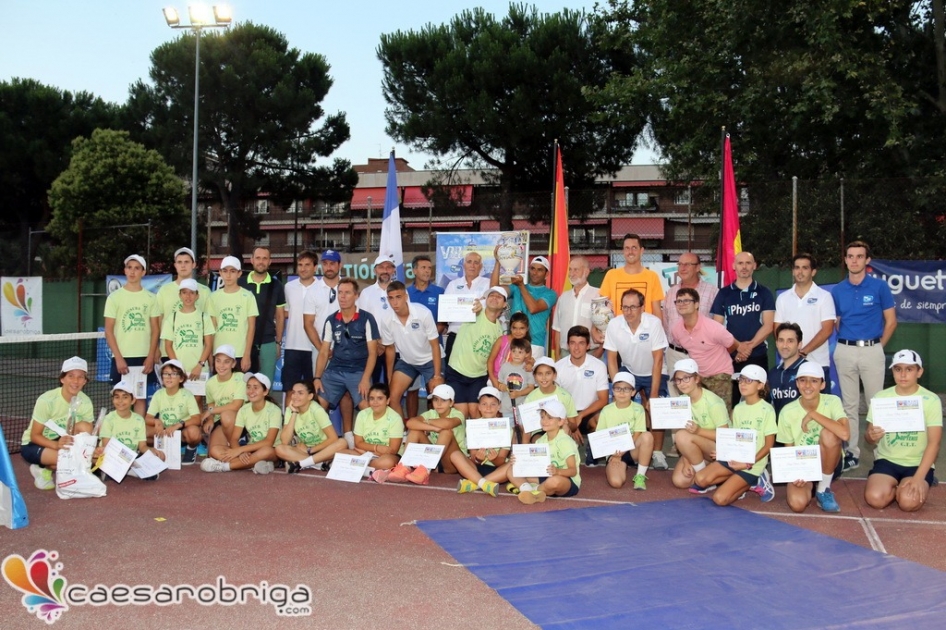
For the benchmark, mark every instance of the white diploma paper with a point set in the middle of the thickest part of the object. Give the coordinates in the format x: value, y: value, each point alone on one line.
x: 55, y: 428
x: 456, y: 308
x: 529, y: 414
x: 148, y: 465
x: 735, y: 445
x: 607, y: 442
x: 791, y: 463
x: 670, y: 413
x: 488, y: 433
x: 117, y: 459
x: 138, y: 381
x: 426, y: 455
x: 532, y: 460
x: 903, y: 414
x: 171, y: 447
x: 348, y: 468
x: 198, y: 386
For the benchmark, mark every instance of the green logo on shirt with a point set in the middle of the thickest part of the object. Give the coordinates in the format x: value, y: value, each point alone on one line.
x: 186, y: 337
x: 228, y: 321
x: 134, y: 321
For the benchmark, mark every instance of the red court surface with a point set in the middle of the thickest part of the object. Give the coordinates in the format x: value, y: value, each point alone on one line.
x: 355, y: 546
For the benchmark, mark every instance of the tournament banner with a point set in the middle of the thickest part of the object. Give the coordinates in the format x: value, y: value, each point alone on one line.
x: 452, y: 247
x: 148, y: 283
x: 21, y: 313
x: 917, y: 286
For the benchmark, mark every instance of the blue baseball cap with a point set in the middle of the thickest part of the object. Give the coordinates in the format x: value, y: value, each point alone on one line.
x: 331, y: 254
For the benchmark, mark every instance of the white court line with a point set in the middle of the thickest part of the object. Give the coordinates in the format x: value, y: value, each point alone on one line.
x: 841, y: 517
x: 872, y: 535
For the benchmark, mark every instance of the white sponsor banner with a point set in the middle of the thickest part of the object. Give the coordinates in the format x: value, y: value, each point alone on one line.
x: 21, y: 313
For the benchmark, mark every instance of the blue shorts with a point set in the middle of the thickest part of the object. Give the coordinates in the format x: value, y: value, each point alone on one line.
x: 467, y: 389
x: 413, y: 371
x: 296, y: 366
x: 336, y: 383
x: 32, y: 452
x: 628, y: 460
x: 750, y: 479
x: 116, y: 378
x: 883, y: 467
x: 643, y: 383
x: 572, y: 491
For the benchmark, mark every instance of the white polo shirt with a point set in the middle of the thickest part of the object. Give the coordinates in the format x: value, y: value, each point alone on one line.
x: 296, y: 294
x: 635, y: 349
x: 478, y: 288
x: 809, y: 311
x: 321, y: 301
x: 583, y: 381
x: 412, y: 338
x: 572, y: 310
x: 374, y: 299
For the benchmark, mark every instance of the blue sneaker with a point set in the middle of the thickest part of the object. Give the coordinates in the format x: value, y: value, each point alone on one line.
x: 826, y: 501
x: 695, y: 489
x: 202, y: 450
x: 764, y: 488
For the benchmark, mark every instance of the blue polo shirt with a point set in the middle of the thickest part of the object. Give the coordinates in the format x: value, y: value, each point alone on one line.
x: 538, y: 322
x: 350, y: 341
x: 428, y: 297
x: 861, y: 308
x: 782, y: 388
x: 742, y: 310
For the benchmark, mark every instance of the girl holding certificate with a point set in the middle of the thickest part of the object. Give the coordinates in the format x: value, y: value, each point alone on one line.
x: 173, y: 408
x: 733, y: 479
x: 308, y: 438
x: 126, y: 426
x: 487, y: 465
x: 563, y: 478
x: 696, y: 442
x: 625, y: 411
x: 261, y: 419
x: 903, y: 464
x: 379, y: 430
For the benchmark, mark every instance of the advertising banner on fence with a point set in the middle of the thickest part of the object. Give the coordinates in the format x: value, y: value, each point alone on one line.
x: 21, y: 313
x: 918, y: 288
x: 452, y: 247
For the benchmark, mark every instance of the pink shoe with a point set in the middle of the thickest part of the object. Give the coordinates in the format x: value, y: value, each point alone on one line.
x: 399, y: 474
x: 380, y: 475
x: 420, y: 476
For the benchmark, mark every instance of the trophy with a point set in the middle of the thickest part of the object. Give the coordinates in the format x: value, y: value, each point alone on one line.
x: 601, y: 313
x: 509, y: 256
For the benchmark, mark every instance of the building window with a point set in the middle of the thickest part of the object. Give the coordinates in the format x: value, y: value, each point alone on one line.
x: 263, y: 240
x: 643, y: 200
x: 420, y: 237
x: 260, y: 206
x: 224, y: 239
x: 294, y: 238
x: 294, y: 207
x: 682, y: 198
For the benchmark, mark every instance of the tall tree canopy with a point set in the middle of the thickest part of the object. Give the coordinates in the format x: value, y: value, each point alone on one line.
x: 500, y: 91
x: 260, y: 105
x: 112, y: 183
x: 37, y: 126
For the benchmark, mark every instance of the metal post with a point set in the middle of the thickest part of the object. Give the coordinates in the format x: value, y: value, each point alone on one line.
x: 368, y: 233
x: 794, y: 215
x: 148, y: 251
x: 430, y: 224
x: 194, y: 157
x: 79, y: 277
x: 842, y: 220
x: 295, y: 237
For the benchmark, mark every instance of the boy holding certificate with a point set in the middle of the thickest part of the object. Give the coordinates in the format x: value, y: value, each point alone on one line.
x: 903, y: 464
x: 563, y: 479
x: 814, y: 418
x: 696, y: 442
x: 126, y: 426
x: 625, y: 411
x: 488, y: 465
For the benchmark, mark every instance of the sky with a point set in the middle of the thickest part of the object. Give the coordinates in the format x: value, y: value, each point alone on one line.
x: 104, y: 46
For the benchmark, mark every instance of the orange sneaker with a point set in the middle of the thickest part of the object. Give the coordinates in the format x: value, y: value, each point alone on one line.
x: 399, y: 474
x: 420, y: 476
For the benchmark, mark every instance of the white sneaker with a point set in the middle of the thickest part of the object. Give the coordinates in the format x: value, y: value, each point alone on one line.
x: 263, y: 467
x: 658, y: 461
x: 42, y: 477
x: 212, y: 465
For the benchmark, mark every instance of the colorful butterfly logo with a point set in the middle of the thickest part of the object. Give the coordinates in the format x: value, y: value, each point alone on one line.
x: 40, y: 582
x: 22, y: 303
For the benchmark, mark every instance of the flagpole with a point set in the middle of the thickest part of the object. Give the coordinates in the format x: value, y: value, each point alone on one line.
x: 720, y: 272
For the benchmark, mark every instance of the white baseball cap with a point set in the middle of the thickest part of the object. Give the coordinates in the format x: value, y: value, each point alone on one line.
x: 262, y: 378
x: 686, y: 365
x: 226, y: 350
x: 186, y: 250
x: 443, y: 392
x: 176, y: 364
x: 906, y: 357
x: 542, y: 260
x: 544, y: 361
x: 383, y: 258
x: 498, y: 290
x: 122, y: 386
x: 555, y: 409
x: 489, y: 390
x: 139, y: 259
x: 810, y: 369
x: 190, y: 284
x: 625, y: 377
x: 754, y: 372
x: 231, y: 262
x: 75, y: 363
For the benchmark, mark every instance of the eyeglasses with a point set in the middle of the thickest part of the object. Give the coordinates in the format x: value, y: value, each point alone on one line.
x: 168, y: 374
x: 630, y: 308
x: 684, y: 301
x: 683, y: 379
x: 623, y: 390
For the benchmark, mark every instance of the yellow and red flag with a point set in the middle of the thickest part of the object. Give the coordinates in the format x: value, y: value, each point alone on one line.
x: 558, y: 240
x: 730, y: 239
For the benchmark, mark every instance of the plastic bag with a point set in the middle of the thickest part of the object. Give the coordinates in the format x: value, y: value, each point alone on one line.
x: 74, y: 478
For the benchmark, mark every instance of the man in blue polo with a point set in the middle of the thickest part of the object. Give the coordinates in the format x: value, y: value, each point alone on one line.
x: 866, y: 320
x: 747, y: 309
x: 782, y: 387
x: 422, y: 291
x: 534, y: 299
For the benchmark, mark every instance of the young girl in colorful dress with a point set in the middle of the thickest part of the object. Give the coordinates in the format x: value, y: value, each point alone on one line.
x: 518, y: 329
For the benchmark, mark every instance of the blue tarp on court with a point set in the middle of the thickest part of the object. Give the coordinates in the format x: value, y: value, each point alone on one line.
x: 688, y: 564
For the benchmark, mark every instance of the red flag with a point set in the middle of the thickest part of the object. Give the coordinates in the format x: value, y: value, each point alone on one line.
x: 730, y: 240
x: 558, y: 241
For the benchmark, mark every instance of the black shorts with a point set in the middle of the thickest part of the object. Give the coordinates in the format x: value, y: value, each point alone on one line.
x: 32, y: 452
x: 115, y: 377
x: 572, y: 491
x: 749, y: 478
x: 898, y: 472
x: 296, y: 366
x: 466, y: 388
x: 628, y: 460
x: 485, y: 469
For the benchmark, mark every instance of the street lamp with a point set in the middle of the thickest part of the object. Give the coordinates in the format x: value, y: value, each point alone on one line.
x: 201, y: 17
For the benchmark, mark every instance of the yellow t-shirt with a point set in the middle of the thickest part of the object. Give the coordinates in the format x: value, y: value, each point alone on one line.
x: 560, y: 449
x: 168, y: 299
x: 258, y: 424
x: 761, y: 418
x: 186, y: 332
x: 617, y: 281
x: 789, y: 421
x: 52, y: 406
x: 906, y: 448
x: 379, y: 432
x: 173, y: 409
x: 231, y: 312
x: 311, y: 424
x: 131, y: 311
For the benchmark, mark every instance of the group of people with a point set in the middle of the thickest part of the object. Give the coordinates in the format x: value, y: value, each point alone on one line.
x: 362, y: 353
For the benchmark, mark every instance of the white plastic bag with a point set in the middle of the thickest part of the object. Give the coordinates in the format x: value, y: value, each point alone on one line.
x: 74, y: 479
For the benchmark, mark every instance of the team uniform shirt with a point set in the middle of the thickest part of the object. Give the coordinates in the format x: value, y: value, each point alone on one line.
x: 709, y: 412
x: 132, y: 312
x: 168, y: 299
x: 707, y: 293
x: 381, y: 431
x: 429, y: 297
x: 538, y: 322
x: 633, y: 416
x: 708, y: 344
x: 906, y: 448
x: 861, y: 308
x: 173, y: 409
x: 129, y: 431
x: 412, y: 338
x: 574, y: 310
x: 477, y: 289
x: 560, y: 449
x: 321, y: 301
x: 349, y: 341
x: 296, y: 295
x: 186, y: 333
x: 761, y: 417
x: 617, y: 281
x: 473, y: 344
x: 516, y: 378
x: 231, y: 312
x: 563, y: 396
x: 258, y: 423
x: 52, y: 406
x: 583, y: 381
x: 220, y: 393
x: 742, y: 310
x: 374, y: 299
x: 459, y: 431
x: 636, y: 349
x: 791, y: 416
x: 782, y: 387
x: 310, y: 425
x: 271, y: 291
x: 810, y: 312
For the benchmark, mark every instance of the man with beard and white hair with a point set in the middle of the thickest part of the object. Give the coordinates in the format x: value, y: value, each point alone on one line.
x: 574, y: 309
x: 374, y: 297
x: 690, y: 275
